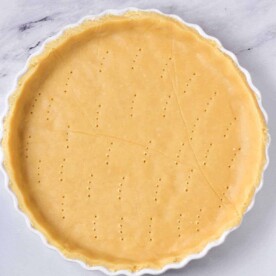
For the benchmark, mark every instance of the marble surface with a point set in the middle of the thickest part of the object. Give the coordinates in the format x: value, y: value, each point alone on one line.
x: 247, y: 28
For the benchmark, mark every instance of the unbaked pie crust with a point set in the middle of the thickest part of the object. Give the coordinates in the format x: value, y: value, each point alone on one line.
x: 132, y: 142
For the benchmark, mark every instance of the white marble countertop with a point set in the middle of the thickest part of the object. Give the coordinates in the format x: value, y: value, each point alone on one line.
x: 247, y: 28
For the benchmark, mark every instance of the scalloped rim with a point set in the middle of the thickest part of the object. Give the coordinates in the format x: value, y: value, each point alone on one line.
x: 187, y: 259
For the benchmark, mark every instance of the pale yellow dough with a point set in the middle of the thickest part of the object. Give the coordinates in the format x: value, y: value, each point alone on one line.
x: 132, y: 142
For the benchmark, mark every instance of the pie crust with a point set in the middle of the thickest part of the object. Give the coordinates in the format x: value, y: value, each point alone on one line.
x: 132, y: 142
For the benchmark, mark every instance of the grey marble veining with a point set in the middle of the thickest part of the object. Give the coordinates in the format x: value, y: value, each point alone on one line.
x: 247, y: 28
